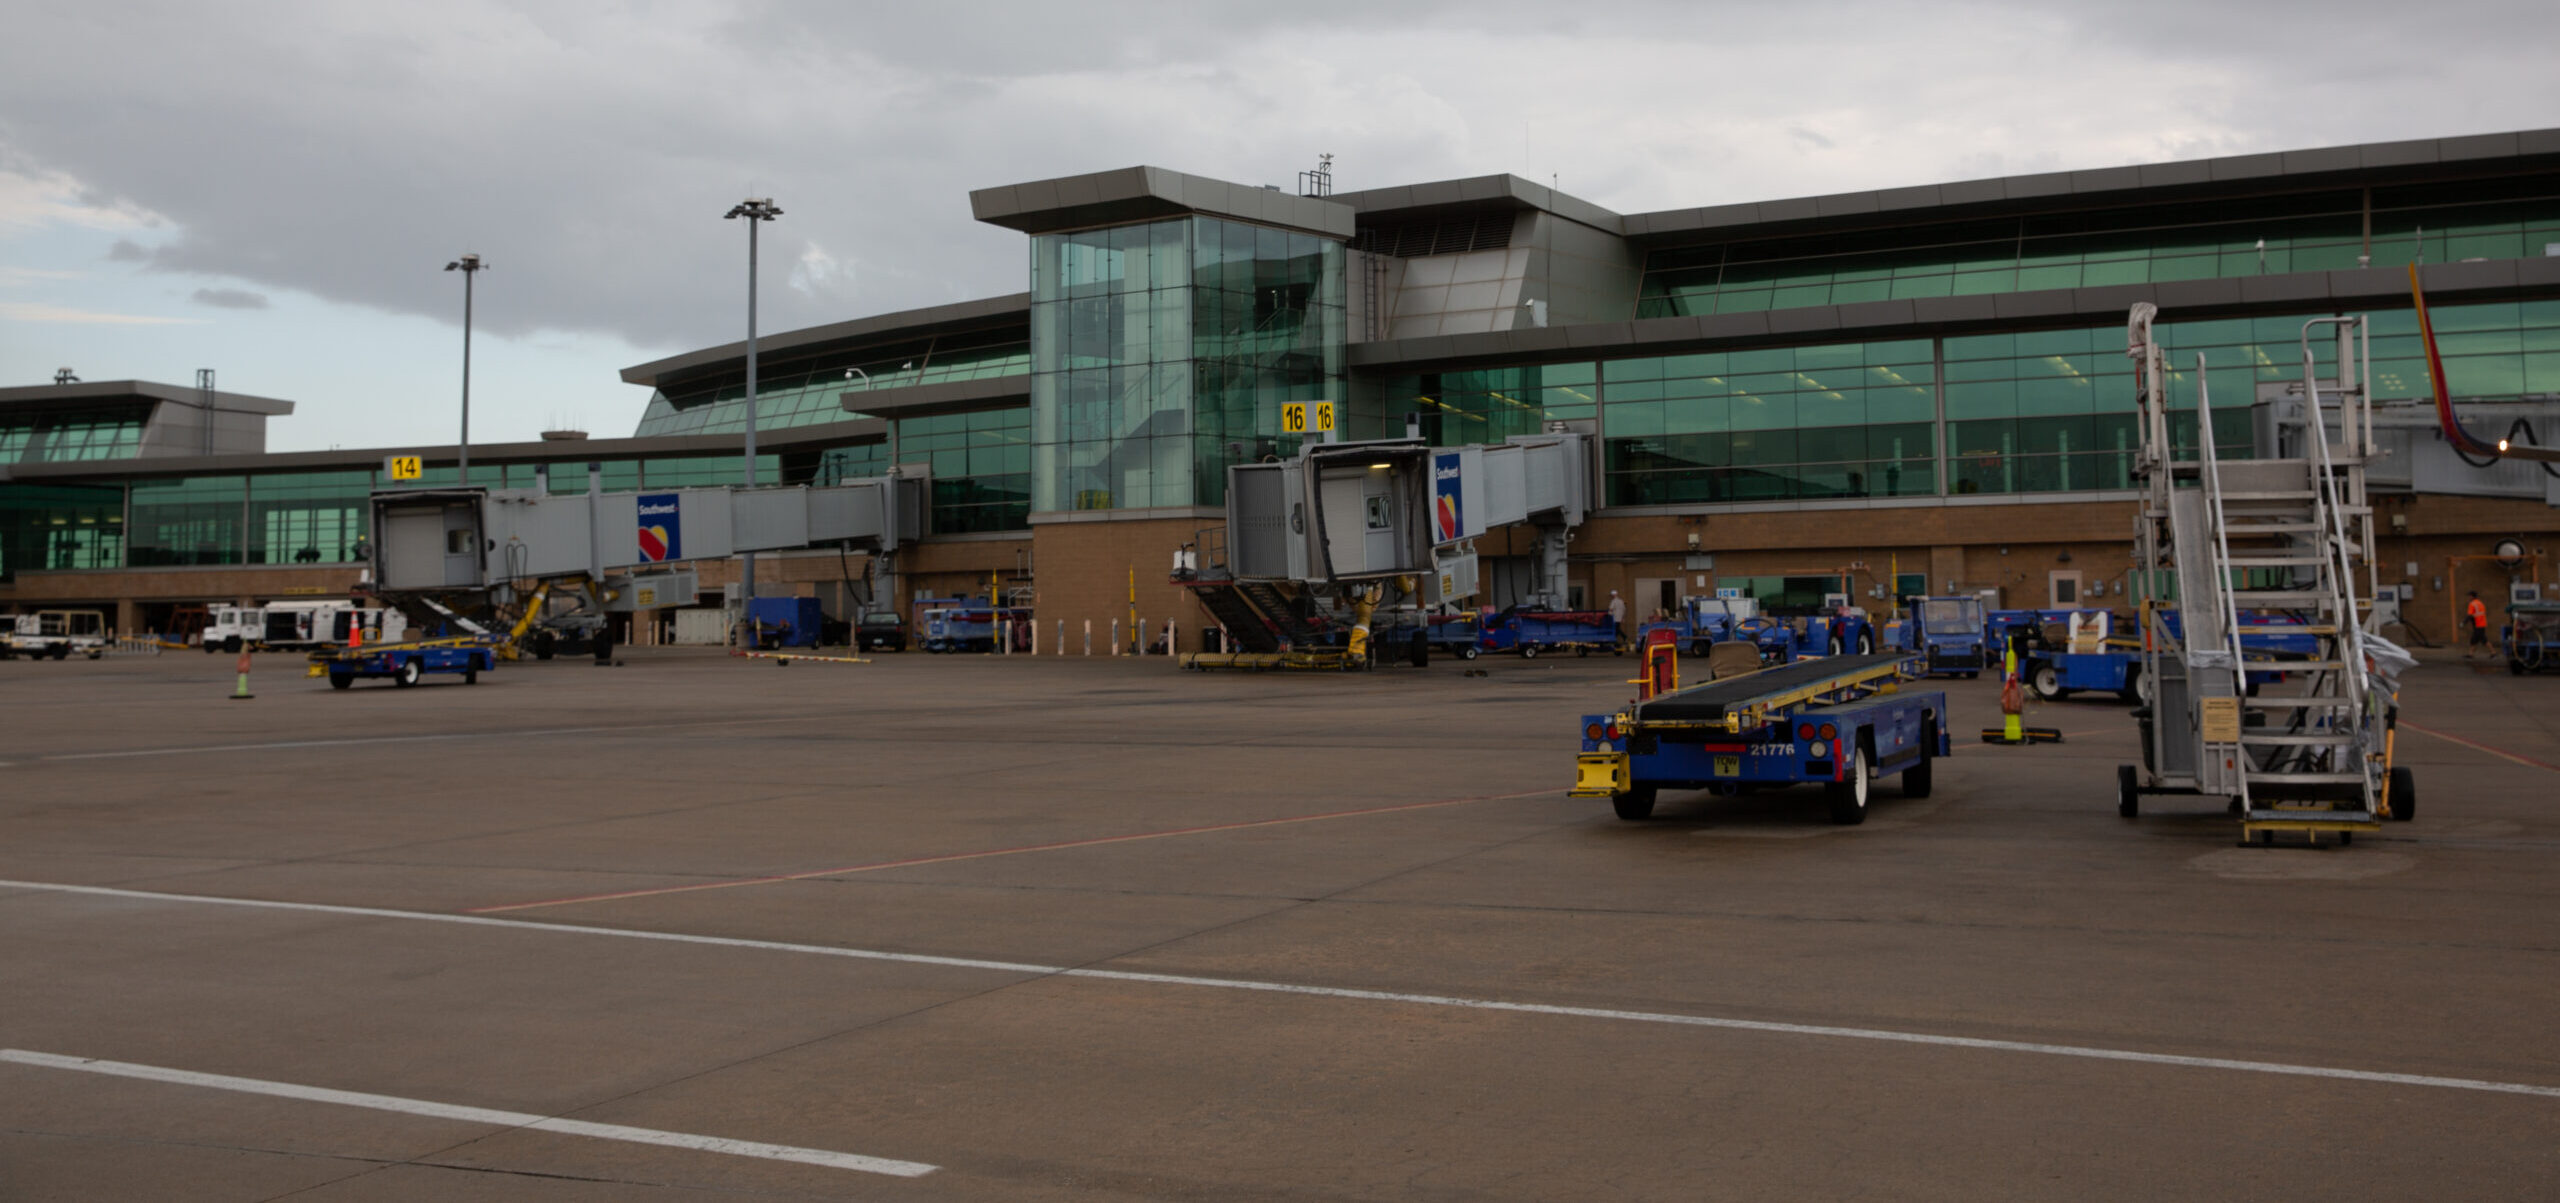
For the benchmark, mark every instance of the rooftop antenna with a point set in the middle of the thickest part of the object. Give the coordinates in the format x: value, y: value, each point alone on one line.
x: 1318, y: 182
x: 205, y: 399
x: 64, y: 376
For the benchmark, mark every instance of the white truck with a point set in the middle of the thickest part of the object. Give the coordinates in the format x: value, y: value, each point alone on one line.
x: 298, y: 625
x: 55, y: 633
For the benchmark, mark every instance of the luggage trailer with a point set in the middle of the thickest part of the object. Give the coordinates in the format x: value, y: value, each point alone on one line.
x: 1839, y: 722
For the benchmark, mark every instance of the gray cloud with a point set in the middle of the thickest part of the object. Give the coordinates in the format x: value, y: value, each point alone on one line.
x: 588, y: 150
x: 127, y: 250
x: 230, y: 298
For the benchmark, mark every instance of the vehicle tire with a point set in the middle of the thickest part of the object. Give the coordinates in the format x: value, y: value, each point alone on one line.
x: 1698, y: 648
x: 62, y: 651
x: 342, y: 680
x: 1971, y: 675
x: 1866, y: 643
x: 1834, y: 645
x: 408, y: 674
x: 471, y: 675
x: 1920, y: 778
x: 2404, y: 795
x: 231, y: 646
x: 2137, y: 688
x: 1528, y: 651
x: 2046, y: 682
x: 1582, y: 649
x: 1468, y: 652
x: 1848, y: 796
x: 1635, y: 805
x: 2128, y: 797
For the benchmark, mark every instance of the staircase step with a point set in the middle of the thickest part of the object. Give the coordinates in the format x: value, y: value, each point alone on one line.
x: 2258, y: 778
x: 2280, y: 598
x: 2326, y: 739
x: 2254, y: 629
x: 2239, y: 560
x: 2263, y: 702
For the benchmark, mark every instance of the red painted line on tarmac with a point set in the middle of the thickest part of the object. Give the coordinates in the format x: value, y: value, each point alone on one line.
x: 1053, y: 847
x: 2526, y: 761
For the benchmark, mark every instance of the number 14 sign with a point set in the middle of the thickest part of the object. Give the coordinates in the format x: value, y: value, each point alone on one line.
x: 1304, y: 417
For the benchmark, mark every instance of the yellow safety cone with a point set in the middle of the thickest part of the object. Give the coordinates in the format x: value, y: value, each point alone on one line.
x: 242, y: 694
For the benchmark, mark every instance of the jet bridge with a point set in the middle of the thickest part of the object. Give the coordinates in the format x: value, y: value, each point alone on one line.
x: 1368, y: 511
x: 1349, y: 521
x: 447, y: 540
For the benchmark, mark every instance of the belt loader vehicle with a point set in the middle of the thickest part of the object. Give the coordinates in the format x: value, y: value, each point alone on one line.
x: 1839, y: 722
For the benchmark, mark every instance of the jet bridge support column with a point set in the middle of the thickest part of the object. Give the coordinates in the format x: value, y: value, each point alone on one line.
x: 1548, y: 588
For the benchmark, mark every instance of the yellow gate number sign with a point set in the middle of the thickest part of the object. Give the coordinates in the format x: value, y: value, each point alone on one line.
x: 1303, y: 417
x: 404, y: 467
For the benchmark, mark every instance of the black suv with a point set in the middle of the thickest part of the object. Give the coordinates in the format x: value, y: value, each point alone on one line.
x: 880, y: 632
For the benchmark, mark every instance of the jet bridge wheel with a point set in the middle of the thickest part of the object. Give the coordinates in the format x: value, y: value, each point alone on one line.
x: 1635, y: 805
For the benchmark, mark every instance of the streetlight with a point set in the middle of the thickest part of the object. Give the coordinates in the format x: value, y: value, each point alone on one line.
x: 757, y: 211
x: 469, y: 266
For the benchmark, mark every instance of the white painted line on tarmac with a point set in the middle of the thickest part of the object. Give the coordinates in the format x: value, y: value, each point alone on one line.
x: 476, y: 1115
x: 1389, y: 996
x: 207, y: 749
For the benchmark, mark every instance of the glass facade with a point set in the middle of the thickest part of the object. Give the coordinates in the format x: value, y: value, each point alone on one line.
x: 1488, y: 405
x: 65, y: 436
x: 801, y: 391
x: 44, y: 527
x: 1163, y: 352
x: 2151, y: 244
x: 2044, y: 412
x: 307, y: 517
x: 1846, y: 420
x: 981, y: 467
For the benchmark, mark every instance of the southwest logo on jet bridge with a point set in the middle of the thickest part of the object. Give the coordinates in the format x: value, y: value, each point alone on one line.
x: 661, y: 528
x: 1444, y: 485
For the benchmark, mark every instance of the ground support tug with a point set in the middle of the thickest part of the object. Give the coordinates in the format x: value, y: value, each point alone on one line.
x: 1948, y: 631
x: 1839, y: 722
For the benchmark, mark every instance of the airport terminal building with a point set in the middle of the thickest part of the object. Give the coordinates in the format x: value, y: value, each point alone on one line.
x: 1922, y: 388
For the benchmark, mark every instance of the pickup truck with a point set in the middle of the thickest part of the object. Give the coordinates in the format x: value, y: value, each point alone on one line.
x: 55, y: 633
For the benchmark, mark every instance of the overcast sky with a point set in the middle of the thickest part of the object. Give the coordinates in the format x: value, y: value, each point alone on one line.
x: 270, y: 189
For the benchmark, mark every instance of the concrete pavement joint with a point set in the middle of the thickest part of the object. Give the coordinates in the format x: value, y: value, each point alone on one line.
x: 2087, y: 1052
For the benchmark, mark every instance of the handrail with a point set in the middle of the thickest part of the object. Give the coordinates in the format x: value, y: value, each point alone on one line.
x: 2352, y: 652
x: 2223, y: 592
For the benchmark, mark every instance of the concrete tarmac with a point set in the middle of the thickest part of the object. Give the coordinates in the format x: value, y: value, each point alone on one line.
x: 1084, y: 929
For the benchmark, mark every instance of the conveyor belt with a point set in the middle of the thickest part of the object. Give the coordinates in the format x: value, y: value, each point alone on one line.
x: 1714, y: 700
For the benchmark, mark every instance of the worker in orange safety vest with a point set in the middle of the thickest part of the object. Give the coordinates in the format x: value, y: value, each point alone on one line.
x: 2479, y: 616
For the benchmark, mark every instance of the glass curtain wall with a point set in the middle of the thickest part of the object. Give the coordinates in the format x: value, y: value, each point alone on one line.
x: 1847, y: 420
x: 1488, y: 405
x: 49, y: 527
x: 64, y: 437
x: 2152, y: 244
x: 194, y: 520
x: 810, y: 393
x: 1163, y: 352
x: 308, y: 517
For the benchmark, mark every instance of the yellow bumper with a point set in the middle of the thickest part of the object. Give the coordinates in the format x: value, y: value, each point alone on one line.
x: 1600, y: 775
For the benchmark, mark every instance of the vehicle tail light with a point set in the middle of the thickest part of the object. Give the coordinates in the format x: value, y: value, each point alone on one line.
x: 1829, y: 730
x: 1594, y: 731
x: 1804, y: 731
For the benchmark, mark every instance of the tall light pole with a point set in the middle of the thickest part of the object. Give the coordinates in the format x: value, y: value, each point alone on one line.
x: 757, y: 211
x: 469, y: 266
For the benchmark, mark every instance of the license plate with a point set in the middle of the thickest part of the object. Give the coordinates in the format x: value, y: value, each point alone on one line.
x: 1728, y: 766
